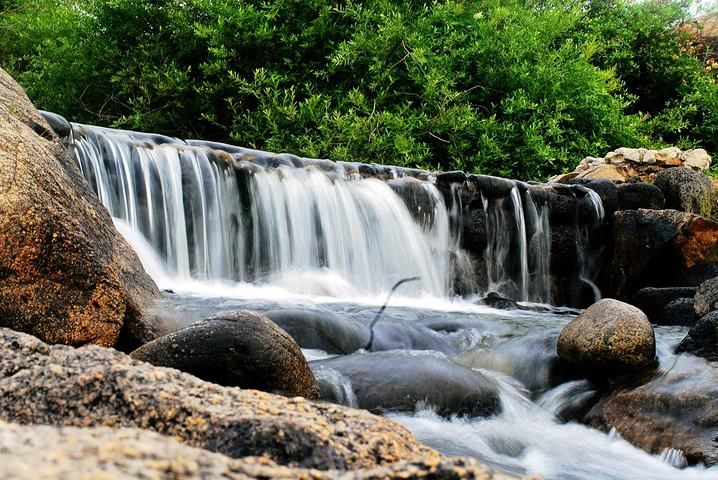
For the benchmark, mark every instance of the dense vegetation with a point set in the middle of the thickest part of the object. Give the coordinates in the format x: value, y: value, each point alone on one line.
x: 520, y: 88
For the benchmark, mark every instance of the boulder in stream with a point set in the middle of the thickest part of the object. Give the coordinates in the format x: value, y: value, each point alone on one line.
x: 66, y: 274
x: 240, y: 349
x: 677, y: 408
x: 609, y: 338
x: 401, y: 380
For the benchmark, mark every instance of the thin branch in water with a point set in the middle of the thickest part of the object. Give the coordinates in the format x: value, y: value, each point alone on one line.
x: 383, y: 307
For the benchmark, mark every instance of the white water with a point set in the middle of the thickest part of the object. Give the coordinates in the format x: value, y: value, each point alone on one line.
x: 218, y: 217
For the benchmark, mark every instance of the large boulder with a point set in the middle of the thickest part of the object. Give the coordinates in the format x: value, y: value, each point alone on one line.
x: 48, y: 453
x: 96, y: 386
x: 401, y: 380
x: 66, y: 274
x: 239, y: 349
x: 677, y: 408
x: 706, y: 298
x: 702, y: 338
x: 609, y: 338
x: 654, y: 247
x: 687, y: 190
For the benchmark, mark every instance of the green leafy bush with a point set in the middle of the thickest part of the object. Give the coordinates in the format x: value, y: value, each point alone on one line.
x: 515, y: 88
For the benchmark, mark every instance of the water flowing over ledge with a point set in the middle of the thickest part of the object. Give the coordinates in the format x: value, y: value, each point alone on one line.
x: 215, y: 212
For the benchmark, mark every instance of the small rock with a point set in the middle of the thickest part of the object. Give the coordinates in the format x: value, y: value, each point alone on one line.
x: 654, y: 302
x: 706, y: 298
x: 240, y: 349
x: 609, y: 338
x: 702, y: 338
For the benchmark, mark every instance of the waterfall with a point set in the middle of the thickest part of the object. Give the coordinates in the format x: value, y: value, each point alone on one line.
x: 211, y: 217
x: 215, y: 212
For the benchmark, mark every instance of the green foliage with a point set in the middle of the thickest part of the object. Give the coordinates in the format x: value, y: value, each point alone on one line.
x: 514, y: 88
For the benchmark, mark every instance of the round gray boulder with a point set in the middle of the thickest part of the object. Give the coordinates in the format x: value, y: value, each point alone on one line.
x: 609, y: 338
x: 238, y: 349
x: 686, y: 190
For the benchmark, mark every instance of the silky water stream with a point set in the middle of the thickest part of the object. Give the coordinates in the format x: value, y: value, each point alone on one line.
x: 221, y: 228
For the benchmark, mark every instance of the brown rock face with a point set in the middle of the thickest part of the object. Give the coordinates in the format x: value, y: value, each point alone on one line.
x: 678, y: 409
x: 241, y: 349
x: 95, y: 386
x: 653, y: 247
x: 66, y: 275
x: 609, y: 338
x: 47, y: 453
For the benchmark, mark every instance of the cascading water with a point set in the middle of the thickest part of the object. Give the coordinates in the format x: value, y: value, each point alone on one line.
x: 187, y: 201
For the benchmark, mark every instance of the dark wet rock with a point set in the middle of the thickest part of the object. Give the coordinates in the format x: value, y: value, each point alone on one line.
x: 680, y: 312
x: 687, y: 190
x: 677, y: 408
x: 66, y: 275
x: 344, y: 334
x: 702, y: 338
x: 610, y: 338
x: 706, y: 298
x: 60, y: 126
x: 488, y: 186
x: 48, y: 453
x: 694, y: 276
x: 607, y: 191
x: 654, y: 301
x: 653, y: 247
x: 398, y: 380
x: 239, y: 349
x: 321, y: 330
x: 564, y: 254
x: 494, y: 300
x: 632, y: 196
x: 474, y: 235
x: 95, y: 386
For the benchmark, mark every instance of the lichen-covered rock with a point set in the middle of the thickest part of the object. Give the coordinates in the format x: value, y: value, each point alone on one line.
x: 609, y: 338
x: 238, y: 349
x: 702, y: 338
x: 48, y: 453
x: 96, y: 386
x: 654, y: 247
x: 706, y: 298
x: 677, y: 408
x: 66, y: 275
x: 687, y: 190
